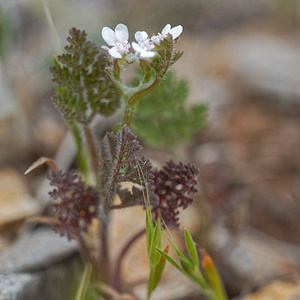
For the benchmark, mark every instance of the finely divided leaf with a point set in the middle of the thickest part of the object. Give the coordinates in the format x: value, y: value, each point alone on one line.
x: 83, y: 88
x: 121, y: 163
x: 166, y: 56
x: 164, y: 119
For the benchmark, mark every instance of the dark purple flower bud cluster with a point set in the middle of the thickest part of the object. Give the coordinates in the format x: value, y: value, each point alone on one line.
x: 172, y: 185
x: 75, y: 205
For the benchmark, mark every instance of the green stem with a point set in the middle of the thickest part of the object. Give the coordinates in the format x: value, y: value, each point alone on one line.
x: 93, y: 152
x: 150, y: 281
x: 115, y: 79
x: 201, y: 279
x: 134, y: 99
x: 82, y: 158
x: 128, y: 115
x: 83, y: 282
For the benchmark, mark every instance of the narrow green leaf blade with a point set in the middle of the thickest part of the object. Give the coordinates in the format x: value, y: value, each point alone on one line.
x: 154, y: 256
x: 149, y: 229
x: 156, y: 272
x: 187, y: 264
x: 151, y: 281
x: 159, y: 268
x: 190, y: 245
x: 170, y: 260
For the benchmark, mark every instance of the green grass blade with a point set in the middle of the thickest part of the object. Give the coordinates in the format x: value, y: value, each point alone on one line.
x: 154, y: 256
x: 151, y: 281
x: 149, y: 229
x: 170, y: 260
x: 159, y: 268
x: 191, y: 247
x: 149, y: 220
x: 84, y: 282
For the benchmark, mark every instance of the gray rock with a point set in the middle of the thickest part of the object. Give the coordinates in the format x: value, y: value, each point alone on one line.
x: 212, y: 92
x: 34, y: 251
x: 19, y: 286
x: 54, y: 283
x: 14, y: 139
x: 268, y: 66
x: 252, y: 257
x: 8, y: 103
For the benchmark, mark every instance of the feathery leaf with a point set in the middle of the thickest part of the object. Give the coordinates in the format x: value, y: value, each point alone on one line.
x: 121, y: 163
x: 83, y: 88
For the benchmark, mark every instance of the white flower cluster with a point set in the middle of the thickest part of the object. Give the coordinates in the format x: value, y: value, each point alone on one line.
x: 144, y: 46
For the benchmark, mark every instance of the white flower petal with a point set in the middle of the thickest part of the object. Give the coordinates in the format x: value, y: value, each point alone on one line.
x: 122, y: 32
x: 109, y: 36
x: 141, y: 36
x: 166, y: 29
x: 114, y: 53
x: 136, y: 47
x: 147, y: 54
x: 105, y: 48
x: 176, y: 31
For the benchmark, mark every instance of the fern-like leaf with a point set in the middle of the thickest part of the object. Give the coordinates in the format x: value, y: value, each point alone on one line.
x: 83, y: 88
x: 121, y: 163
x: 163, y: 118
x: 166, y: 56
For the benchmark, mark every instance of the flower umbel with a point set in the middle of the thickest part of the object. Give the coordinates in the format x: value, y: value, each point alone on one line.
x: 144, y: 46
x: 153, y: 59
x: 118, y: 39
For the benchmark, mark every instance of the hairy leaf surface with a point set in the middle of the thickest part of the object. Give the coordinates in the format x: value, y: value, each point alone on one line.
x: 121, y: 163
x: 83, y: 88
x: 163, y: 118
x: 166, y: 57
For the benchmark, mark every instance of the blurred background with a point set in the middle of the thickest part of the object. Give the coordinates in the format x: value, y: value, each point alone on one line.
x: 241, y: 59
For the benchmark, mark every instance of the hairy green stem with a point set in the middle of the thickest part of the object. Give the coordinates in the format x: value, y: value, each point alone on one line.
x: 134, y: 99
x: 128, y: 115
x: 82, y: 159
x: 92, y: 150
